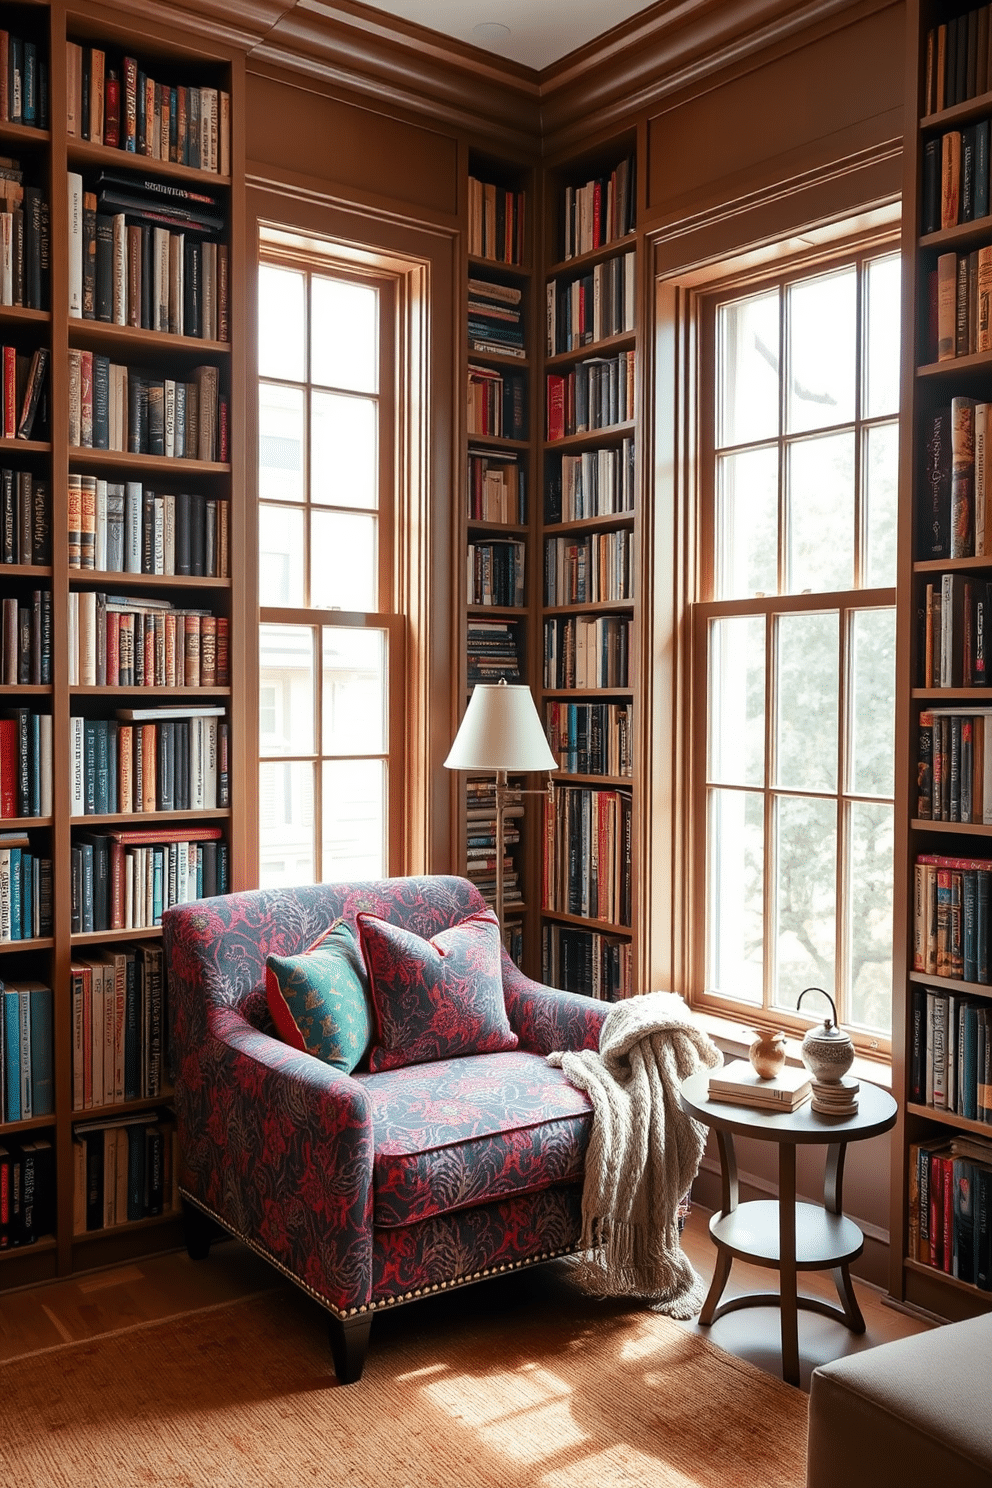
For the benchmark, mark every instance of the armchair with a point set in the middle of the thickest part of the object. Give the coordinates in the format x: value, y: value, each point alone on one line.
x: 367, y: 1190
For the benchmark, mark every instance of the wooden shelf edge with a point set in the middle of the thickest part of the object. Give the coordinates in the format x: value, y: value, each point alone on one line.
x: 950, y: 984
x: 976, y: 829
x: 589, y: 524
x: 85, y: 153
x: 954, y: 1282
x: 152, y: 1221
x: 100, y: 332
x: 622, y: 341
x: 166, y: 465
x: 98, y: 937
x: 951, y: 1119
x: 581, y: 922
x: 137, y: 819
x: 593, y: 256
x: 42, y: 943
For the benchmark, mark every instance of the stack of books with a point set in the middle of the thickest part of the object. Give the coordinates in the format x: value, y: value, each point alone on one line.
x: 739, y: 1085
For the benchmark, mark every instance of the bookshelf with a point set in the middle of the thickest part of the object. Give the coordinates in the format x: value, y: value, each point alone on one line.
x: 133, y: 538
x: 587, y: 538
x: 942, y: 1189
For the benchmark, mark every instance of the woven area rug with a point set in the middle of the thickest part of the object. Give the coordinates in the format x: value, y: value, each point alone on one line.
x: 527, y: 1384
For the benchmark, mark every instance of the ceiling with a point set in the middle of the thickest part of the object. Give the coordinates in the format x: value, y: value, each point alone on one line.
x: 539, y: 34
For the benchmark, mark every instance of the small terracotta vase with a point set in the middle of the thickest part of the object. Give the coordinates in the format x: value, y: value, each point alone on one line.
x: 767, y: 1054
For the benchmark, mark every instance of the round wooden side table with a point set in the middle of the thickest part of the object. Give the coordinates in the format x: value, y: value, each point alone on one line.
x: 780, y: 1233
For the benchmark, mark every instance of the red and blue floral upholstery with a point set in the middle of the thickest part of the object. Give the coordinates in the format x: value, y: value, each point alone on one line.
x: 369, y: 1189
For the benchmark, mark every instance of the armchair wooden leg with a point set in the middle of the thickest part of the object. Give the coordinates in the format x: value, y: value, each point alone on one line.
x: 350, y: 1346
x: 198, y: 1231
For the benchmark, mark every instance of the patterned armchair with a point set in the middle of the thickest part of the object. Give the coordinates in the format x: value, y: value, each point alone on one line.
x: 367, y: 1190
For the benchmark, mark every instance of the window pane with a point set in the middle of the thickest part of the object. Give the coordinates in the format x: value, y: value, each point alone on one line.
x: 285, y: 798
x: 280, y: 556
x: 280, y: 443
x: 735, y: 894
x: 805, y: 897
x: 822, y: 351
x: 747, y: 348
x: 869, y: 924
x: 881, y: 478
x: 807, y: 700
x: 344, y: 451
x: 354, y: 839
x: 737, y: 701
x: 820, y: 533
x: 354, y: 696
x: 873, y: 680
x: 280, y: 323
x: 883, y: 337
x: 747, y: 524
x: 344, y: 348
x: 286, y: 672
x: 343, y: 561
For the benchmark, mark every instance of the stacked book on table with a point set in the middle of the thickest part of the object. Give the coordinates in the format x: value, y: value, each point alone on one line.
x: 739, y: 1085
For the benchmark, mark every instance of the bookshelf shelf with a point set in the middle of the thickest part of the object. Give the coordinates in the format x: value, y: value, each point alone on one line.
x: 9, y: 823
x: 948, y: 1118
x: 488, y: 266
x: 496, y: 612
x: 607, y: 782
x: 122, y: 1108
x: 592, y: 438
x: 975, y: 829
x: 106, y: 937
x: 593, y: 607
x: 627, y: 341
x: 153, y: 694
x: 498, y: 359
x: 584, y: 922
x: 85, y: 156
x: 25, y: 689
x: 573, y: 266
x: 152, y: 1222
x: 139, y: 819
x: 952, y: 565
x: 161, y: 465
x: 42, y: 943
x: 101, y: 336
x: 43, y: 1242
x: 954, y: 367
x: 26, y: 571
x: 498, y: 442
x: 23, y: 315
x: 936, y: 695
x: 958, y: 113
x: 620, y: 693
x: 105, y: 578
x: 22, y: 135
x: 950, y: 984
x: 609, y: 523
x: 25, y: 447
x: 496, y: 529
x: 34, y: 1123
x: 983, y: 1299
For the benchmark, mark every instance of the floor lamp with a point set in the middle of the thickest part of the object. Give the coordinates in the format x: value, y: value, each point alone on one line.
x: 500, y: 733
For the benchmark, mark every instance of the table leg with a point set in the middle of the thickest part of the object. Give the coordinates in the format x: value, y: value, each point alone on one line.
x: 728, y: 1196
x: 787, y: 1261
x: 833, y: 1178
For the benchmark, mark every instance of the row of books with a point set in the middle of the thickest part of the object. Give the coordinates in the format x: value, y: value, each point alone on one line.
x: 955, y: 177
x: 955, y: 510
x: 953, y: 622
x: 120, y: 641
x: 154, y: 759
x: 960, y: 288
x: 595, y: 394
x: 951, y: 917
x: 958, y: 64
x: 595, y: 483
x: 139, y: 274
x: 497, y: 488
x: 496, y: 222
x: 25, y: 518
x: 954, y: 766
x: 125, y: 527
x: 27, y: 1191
x: 496, y: 573
x: 587, y: 854
x: 586, y: 961
x: 600, y: 211
x: 125, y: 880
x: 23, y: 393
x: 27, y: 1064
x: 491, y: 648
x: 586, y: 570
x: 123, y: 1170
x: 950, y: 1207
x: 119, y: 1026
x: 480, y: 832
x: 115, y: 102
x: 584, y: 651
x: 25, y: 242
x: 25, y: 890
x: 25, y: 764
x: 497, y: 403
x: 591, y: 738
x: 113, y: 407
x: 495, y: 318
x: 599, y: 304
x: 26, y: 640
x: 23, y: 82
x: 951, y: 1053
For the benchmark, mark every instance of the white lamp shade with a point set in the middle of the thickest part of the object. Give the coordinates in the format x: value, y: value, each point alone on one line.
x: 501, y: 731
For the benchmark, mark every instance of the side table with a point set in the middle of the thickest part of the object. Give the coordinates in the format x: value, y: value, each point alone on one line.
x: 781, y: 1233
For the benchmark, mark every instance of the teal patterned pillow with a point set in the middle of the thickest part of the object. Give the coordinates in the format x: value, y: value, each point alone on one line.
x: 319, y: 1000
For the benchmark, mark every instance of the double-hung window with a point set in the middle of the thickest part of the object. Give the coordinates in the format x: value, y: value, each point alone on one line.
x: 793, y: 637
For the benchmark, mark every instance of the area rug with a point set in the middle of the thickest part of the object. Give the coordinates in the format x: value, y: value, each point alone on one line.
x: 527, y: 1385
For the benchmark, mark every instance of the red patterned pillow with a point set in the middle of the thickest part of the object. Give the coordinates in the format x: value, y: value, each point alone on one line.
x: 434, y: 999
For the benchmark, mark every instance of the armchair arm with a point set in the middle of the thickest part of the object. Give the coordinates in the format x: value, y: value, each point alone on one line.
x: 546, y: 1019
x: 279, y: 1146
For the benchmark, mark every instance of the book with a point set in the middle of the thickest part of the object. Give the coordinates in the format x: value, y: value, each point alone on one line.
x: 739, y: 1084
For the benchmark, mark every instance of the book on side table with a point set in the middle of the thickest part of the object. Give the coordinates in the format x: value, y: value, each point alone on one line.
x: 740, y: 1085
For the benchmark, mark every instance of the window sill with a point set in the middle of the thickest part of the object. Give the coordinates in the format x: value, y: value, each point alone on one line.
x: 736, y: 1039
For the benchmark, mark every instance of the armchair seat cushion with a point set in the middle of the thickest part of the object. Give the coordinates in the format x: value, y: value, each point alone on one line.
x: 468, y: 1131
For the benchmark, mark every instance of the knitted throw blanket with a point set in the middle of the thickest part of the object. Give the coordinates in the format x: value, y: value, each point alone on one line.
x: 643, y: 1150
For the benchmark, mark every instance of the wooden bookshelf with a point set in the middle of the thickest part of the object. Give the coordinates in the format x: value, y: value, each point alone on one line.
x: 930, y: 1068
x: 173, y: 59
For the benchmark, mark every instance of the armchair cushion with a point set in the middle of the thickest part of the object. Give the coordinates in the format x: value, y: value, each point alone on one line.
x: 436, y: 998
x: 319, y: 1001
x: 470, y: 1131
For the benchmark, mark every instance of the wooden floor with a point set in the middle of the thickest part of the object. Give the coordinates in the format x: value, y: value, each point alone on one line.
x: 148, y: 1291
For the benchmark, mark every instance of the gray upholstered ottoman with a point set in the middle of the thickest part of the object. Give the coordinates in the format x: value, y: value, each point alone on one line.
x: 915, y: 1411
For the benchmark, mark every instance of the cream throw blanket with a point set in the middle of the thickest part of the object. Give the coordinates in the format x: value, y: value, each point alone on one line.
x: 643, y: 1150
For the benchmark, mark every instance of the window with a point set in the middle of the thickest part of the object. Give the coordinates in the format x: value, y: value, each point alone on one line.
x: 793, y: 641
x: 329, y: 655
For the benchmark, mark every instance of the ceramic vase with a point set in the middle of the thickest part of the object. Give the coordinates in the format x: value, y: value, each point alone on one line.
x: 767, y: 1054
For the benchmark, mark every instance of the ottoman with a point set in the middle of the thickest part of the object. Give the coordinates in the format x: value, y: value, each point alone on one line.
x: 915, y: 1411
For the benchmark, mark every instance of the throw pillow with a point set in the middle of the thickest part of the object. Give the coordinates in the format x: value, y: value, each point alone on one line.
x: 319, y: 1000
x: 438, y: 998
